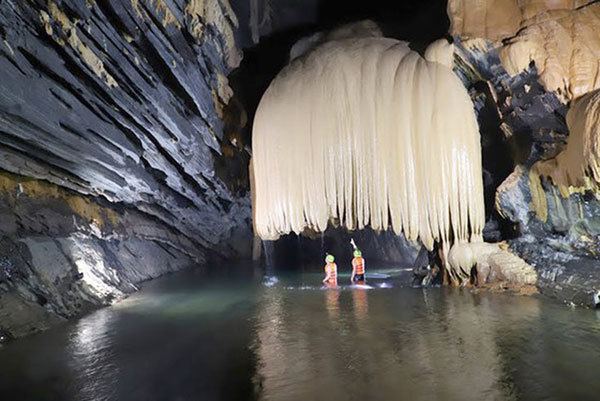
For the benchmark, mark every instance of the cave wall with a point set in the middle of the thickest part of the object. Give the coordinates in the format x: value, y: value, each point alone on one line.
x: 523, y: 122
x: 122, y: 156
x: 111, y: 122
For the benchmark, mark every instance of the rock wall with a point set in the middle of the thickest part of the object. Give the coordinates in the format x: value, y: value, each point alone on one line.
x: 111, y: 122
x: 557, y: 235
x: 540, y: 54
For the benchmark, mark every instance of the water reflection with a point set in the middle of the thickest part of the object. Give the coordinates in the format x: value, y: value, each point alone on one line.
x: 332, y: 302
x: 92, y: 357
x: 428, y: 347
x: 360, y: 303
x: 191, y: 338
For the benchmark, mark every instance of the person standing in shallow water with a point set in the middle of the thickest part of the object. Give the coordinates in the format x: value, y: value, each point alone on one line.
x: 358, y: 268
x: 330, y: 271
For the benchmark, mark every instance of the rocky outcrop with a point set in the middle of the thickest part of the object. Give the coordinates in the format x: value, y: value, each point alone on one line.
x: 577, y: 168
x: 497, y: 20
x: 559, y: 36
x: 486, y: 264
x: 111, y: 124
x: 519, y: 120
x: 556, y: 235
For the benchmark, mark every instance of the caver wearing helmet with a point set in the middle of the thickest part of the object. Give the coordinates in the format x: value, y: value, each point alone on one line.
x: 330, y: 270
x: 358, y: 267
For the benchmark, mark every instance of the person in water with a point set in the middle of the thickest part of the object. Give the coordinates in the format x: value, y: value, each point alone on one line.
x: 358, y: 267
x: 330, y: 270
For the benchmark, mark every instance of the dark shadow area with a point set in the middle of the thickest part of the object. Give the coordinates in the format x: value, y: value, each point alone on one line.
x: 411, y: 20
x: 293, y: 252
x: 417, y: 21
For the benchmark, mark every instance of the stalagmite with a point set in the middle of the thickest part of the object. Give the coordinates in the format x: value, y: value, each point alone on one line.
x: 367, y: 132
x: 577, y: 167
x: 491, y: 263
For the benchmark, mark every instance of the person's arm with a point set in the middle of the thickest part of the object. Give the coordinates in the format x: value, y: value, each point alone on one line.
x: 326, y: 277
x: 353, y: 272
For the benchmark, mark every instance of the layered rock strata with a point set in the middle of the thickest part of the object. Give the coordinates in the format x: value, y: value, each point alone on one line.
x: 111, y: 120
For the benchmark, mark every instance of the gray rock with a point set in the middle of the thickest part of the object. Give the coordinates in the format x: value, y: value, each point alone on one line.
x: 110, y: 123
x: 563, y: 247
x: 142, y: 132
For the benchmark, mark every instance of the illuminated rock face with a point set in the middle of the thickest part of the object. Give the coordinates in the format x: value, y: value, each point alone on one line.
x: 559, y: 36
x: 62, y: 253
x: 360, y: 131
x: 500, y: 19
x: 110, y: 124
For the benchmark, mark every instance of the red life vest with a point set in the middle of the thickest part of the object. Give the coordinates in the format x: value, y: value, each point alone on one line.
x: 331, y: 269
x: 359, y: 265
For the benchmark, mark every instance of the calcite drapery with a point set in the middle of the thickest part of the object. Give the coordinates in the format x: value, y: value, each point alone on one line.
x: 363, y: 131
x: 559, y: 36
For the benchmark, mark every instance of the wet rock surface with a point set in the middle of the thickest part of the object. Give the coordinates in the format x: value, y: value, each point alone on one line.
x: 564, y: 248
x: 384, y: 247
x: 62, y: 254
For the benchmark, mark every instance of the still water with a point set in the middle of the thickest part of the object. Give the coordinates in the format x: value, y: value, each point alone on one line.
x: 232, y: 336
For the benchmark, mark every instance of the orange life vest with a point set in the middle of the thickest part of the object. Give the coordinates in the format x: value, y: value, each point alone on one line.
x: 331, y: 269
x: 359, y: 265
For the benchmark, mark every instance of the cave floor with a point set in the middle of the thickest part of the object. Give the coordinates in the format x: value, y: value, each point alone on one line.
x: 228, y: 334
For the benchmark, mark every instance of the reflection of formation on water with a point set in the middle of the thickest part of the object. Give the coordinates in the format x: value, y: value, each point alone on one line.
x: 360, y: 303
x: 332, y: 302
x: 298, y: 358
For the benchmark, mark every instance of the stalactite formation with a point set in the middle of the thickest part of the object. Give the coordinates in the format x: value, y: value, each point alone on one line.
x: 559, y: 36
x: 497, y: 20
x: 258, y: 22
x: 577, y: 167
x: 557, y: 235
x: 367, y: 132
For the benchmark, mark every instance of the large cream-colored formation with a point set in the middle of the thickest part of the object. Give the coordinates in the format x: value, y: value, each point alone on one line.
x: 560, y: 36
x: 367, y: 132
x: 577, y: 167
